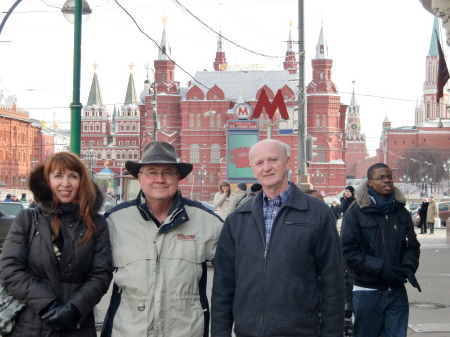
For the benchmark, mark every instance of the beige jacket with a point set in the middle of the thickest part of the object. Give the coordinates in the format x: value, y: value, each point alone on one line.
x: 159, y: 269
x: 222, y: 202
x: 432, y: 212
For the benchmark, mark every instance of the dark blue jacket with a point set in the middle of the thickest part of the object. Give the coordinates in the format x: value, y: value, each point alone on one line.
x: 277, y: 293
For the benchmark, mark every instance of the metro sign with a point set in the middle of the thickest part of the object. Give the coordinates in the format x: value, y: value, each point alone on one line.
x: 277, y: 103
x: 243, y: 111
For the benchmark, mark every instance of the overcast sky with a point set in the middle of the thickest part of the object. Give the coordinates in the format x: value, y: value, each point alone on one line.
x: 381, y: 45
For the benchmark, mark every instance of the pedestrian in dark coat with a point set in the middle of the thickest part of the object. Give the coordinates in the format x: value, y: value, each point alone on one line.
x: 423, y: 216
x: 347, y: 199
x: 382, y: 253
x: 67, y: 268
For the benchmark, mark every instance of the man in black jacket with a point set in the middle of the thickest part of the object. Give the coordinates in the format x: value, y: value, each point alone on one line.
x: 278, y: 261
x: 382, y: 253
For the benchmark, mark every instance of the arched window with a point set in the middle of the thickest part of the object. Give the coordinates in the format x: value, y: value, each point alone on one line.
x: 194, y: 153
x: 135, y: 154
x: 199, y: 122
x: 317, y: 122
x: 219, y: 121
x: 99, y: 155
x: 91, y: 127
x: 97, y: 127
x: 321, y: 154
x: 133, y: 126
x: 324, y: 122
x: 108, y: 154
x: 85, y: 127
x: 215, y: 153
x: 121, y: 127
x: 211, y: 122
x: 191, y: 122
x: 130, y: 154
x: 128, y: 126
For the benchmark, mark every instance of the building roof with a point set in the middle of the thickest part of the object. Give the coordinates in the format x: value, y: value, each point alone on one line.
x: 95, y: 95
x: 246, y: 83
x: 433, y: 43
x: 322, y: 47
x: 353, y: 101
x: 130, y: 96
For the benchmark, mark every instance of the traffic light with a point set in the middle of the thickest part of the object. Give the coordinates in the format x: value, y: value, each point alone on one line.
x: 310, y: 148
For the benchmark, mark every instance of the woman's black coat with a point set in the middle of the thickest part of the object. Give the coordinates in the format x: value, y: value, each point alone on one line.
x: 81, y: 277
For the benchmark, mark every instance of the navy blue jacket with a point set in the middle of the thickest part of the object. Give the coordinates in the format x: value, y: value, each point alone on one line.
x: 277, y: 293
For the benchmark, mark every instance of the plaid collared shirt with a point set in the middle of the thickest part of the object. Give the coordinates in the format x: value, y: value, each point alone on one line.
x: 271, y: 208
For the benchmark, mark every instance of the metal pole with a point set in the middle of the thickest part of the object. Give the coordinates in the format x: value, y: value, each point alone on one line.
x: 155, y: 123
x: 302, y: 118
x: 75, y: 106
x: 8, y: 13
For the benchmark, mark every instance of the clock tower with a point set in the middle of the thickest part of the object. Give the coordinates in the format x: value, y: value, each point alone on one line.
x: 356, y: 140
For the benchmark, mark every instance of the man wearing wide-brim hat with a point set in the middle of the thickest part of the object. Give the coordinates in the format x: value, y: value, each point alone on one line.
x: 160, y: 243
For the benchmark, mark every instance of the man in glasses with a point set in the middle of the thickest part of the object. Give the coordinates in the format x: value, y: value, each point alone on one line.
x: 160, y: 242
x: 382, y: 253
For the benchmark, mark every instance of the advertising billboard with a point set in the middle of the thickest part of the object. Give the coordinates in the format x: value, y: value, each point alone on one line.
x: 240, y: 139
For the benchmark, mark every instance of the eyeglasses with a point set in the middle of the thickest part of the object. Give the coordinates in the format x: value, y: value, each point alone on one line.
x: 153, y: 175
x: 382, y: 178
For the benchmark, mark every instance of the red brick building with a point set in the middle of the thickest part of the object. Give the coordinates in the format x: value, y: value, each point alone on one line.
x: 19, y: 143
x: 422, y: 142
x: 195, y: 119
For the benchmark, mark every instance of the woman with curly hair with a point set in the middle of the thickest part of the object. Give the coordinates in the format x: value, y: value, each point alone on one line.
x: 66, y: 269
x: 222, y: 199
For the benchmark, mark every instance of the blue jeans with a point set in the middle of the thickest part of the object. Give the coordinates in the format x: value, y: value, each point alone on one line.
x: 381, y: 313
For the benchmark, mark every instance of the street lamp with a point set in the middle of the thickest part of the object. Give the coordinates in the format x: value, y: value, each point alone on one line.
x: 121, y: 163
x: 154, y: 108
x: 201, y: 175
x: 434, y: 177
x: 447, y: 169
x: 91, y: 158
x: 420, y: 166
x: 73, y: 11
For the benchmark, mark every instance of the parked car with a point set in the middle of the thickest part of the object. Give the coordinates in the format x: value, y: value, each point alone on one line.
x: 444, y: 213
x: 209, y: 206
x: 13, y: 208
x: 5, y: 223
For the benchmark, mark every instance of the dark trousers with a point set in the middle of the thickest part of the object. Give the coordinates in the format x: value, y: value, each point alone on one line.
x: 423, y: 225
x: 431, y: 227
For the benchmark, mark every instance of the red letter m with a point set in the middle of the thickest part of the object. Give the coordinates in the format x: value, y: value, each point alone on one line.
x: 242, y: 111
x: 263, y: 102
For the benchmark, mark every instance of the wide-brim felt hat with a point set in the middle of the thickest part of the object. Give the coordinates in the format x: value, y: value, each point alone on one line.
x: 158, y: 153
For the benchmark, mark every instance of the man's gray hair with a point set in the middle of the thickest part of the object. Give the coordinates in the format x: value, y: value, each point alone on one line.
x: 282, y: 145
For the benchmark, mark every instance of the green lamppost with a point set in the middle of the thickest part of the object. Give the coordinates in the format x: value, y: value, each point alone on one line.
x: 76, y: 12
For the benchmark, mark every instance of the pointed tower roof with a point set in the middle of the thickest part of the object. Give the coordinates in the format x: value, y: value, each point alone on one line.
x: 95, y: 95
x: 433, y: 43
x: 322, y: 47
x: 220, y: 42
x: 131, y: 97
x: 289, y: 41
x: 164, y: 52
x: 386, y: 119
x: 353, y: 101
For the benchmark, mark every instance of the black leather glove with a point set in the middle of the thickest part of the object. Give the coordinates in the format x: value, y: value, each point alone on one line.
x: 63, y: 317
x: 392, y: 275
x: 52, y: 305
x: 348, y: 324
x: 409, y: 274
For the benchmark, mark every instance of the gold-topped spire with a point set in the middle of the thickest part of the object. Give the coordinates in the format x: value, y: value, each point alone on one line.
x: 290, y: 23
x: 131, y: 66
x: 164, y: 20
x: 95, y: 65
x: 321, y: 20
x: 353, y: 82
